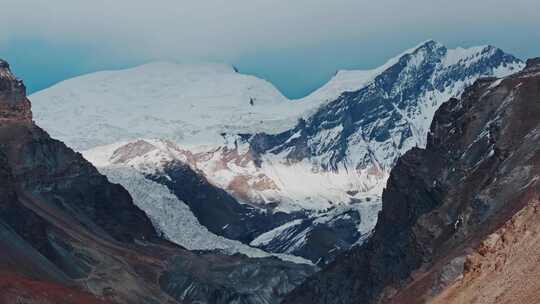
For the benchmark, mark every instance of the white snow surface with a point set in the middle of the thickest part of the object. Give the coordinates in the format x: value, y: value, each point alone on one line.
x: 185, y: 103
x: 174, y: 219
x: 189, y: 104
x: 295, y: 186
x: 349, y: 81
x: 269, y: 236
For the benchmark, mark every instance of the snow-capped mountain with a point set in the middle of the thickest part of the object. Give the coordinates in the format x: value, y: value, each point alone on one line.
x: 371, y: 126
x: 358, y: 137
x: 184, y: 103
x: 460, y: 220
x: 282, y: 164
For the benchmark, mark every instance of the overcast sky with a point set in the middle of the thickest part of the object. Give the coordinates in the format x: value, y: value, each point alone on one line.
x: 296, y: 44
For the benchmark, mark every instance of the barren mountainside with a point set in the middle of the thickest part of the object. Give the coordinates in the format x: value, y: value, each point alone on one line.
x: 68, y: 235
x: 458, y: 222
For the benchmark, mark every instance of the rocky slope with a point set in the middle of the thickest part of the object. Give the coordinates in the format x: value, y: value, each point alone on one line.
x: 15, y: 105
x: 250, y: 163
x: 369, y: 128
x: 504, y: 267
x: 319, y: 236
x: 456, y: 213
x: 68, y: 235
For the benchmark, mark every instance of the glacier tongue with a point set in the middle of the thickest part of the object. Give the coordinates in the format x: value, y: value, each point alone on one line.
x: 175, y: 221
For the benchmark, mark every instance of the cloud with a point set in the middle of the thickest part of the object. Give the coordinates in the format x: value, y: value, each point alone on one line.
x: 229, y: 28
x: 296, y: 44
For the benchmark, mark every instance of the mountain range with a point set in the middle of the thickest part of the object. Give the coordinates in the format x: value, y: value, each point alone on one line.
x: 459, y: 220
x: 415, y: 182
x: 69, y: 235
x: 301, y: 177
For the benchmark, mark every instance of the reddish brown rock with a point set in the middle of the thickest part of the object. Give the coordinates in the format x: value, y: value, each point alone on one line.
x: 459, y: 218
x: 505, y: 268
x: 14, y: 106
x: 15, y: 289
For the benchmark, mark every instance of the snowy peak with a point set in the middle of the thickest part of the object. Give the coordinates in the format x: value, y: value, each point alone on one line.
x: 354, y: 80
x: 432, y: 59
x: 369, y: 128
x: 450, y: 209
x: 193, y: 103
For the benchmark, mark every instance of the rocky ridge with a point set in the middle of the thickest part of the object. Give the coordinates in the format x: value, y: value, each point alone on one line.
x: 15, y: 106
x: 66, y: 230
x: 480, y: 167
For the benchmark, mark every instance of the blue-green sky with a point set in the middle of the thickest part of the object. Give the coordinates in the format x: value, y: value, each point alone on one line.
x: 297, y: 45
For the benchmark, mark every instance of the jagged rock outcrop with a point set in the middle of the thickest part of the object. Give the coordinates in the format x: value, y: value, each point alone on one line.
x: 481, y: 166
x: 68, y: 235
x: 14, y: 106
x: 216, y: 209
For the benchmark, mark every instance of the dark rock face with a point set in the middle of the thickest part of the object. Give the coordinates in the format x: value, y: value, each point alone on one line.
x: 480, y: 165
x: 235, y: 280
x: 319, y: 238
x: 65, y: 227
x: 316, y: 240
x: 38, y: 163
x: 215, y: 208
x: 15, y: 289
x: 19, y: 225
x: 14, y: 106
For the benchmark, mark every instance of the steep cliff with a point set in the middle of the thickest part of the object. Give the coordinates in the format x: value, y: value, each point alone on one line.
x: 14, y: 106
x: 68, y: 235
x: 480, y: 167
